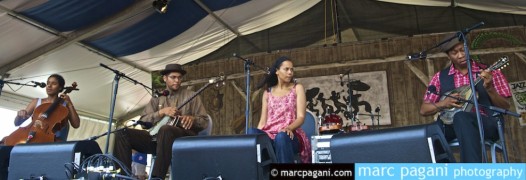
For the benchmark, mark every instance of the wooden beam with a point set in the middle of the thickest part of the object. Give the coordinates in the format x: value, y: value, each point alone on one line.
x: 521, y: 56
x: 370, y: 61
x: 430, y: 69
x: 238, y: 90
x: 423, y: 78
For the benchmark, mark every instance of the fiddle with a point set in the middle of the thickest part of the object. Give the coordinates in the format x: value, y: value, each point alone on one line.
x: 47, y: 119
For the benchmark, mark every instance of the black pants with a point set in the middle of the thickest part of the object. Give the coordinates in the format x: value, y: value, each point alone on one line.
x: 143, y: 142
x: 465, y: 129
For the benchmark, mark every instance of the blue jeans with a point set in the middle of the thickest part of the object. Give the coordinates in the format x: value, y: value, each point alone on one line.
x: 284, y: 147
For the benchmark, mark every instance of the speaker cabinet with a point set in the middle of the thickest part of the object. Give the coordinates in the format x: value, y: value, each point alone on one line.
x: 48, y: 160
x: 412, y: 144
x: 5, y: 152
x: 230, y: 157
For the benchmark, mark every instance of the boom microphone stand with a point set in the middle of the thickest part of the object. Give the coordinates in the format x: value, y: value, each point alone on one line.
x: 116, y: 79
x: 2, y: 82
x: 248, y: 63
x: 117, y: 130
x: 462, y: 34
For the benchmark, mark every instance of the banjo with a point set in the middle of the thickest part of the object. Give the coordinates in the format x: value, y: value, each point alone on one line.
x: 167, y: 120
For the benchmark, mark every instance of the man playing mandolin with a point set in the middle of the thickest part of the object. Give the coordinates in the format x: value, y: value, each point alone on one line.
x: 493, y: 89
x: 192, y: 117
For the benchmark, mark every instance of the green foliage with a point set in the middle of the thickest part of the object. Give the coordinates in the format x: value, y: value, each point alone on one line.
x: 485, y: 36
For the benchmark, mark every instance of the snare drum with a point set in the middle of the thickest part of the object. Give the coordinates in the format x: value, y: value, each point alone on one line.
x: 332, y: 123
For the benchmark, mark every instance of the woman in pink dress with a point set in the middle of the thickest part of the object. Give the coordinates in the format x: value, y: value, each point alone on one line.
x: 283, y: 112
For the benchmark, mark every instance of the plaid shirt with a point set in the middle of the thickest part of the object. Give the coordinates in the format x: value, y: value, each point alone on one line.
x: 499, y: 81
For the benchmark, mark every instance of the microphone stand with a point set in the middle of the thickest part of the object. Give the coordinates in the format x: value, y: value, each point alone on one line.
x: 2, y: 82
x: 110, y: 132
x: 462, y: 34
x: 116, y: 79
x: 248, y: 63
x: 349, y: 101
x: 377, y: 110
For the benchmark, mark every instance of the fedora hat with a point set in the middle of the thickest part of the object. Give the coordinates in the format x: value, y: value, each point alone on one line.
x: 450, y: 44
x: 173, y: 68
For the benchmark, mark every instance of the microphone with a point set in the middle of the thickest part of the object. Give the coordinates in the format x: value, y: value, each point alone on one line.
x: 467, y: 30
x: 145, y: 125
x: 41, y: 84
x: 432, y: 90
x: 415, y: 56
x: 165, y: 92
x: 237, y: 55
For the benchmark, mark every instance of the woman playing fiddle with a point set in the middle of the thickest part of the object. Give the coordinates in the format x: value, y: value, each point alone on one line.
x: 55, y: 85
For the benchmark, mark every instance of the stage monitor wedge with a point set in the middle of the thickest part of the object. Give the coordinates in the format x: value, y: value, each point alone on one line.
x: 412, y: 144
x: 48, y: 160
x: 229, y: 157
x: 5, y: 153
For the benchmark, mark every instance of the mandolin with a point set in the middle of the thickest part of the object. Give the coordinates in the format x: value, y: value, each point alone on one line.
x: 446, y: 115
x: 45, y: 121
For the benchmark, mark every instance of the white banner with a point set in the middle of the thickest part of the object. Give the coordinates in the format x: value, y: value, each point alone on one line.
x: 518, y: 91
x: 331, y: 93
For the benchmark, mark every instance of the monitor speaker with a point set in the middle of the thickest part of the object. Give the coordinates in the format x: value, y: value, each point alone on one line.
x: 49, y: 160
x: 224, y: 157
x: 5, y: 152
x: 412, y: 144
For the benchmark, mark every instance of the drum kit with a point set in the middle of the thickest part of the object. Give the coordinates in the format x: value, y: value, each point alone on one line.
x: 333, y: 123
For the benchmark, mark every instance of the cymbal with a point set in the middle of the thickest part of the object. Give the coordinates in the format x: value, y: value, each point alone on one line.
x: 359, y: 114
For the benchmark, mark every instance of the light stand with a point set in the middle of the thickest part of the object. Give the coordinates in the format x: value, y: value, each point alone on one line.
x: 248, y: 63
x: 116, y: 79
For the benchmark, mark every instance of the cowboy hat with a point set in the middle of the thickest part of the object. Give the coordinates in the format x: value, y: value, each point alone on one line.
x: 450, y: 44
x: 173, y: 68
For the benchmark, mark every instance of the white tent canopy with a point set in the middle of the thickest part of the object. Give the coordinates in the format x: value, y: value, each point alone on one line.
x: 36, y: 43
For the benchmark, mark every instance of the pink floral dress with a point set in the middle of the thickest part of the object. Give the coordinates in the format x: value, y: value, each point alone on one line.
x: 281, y: 112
